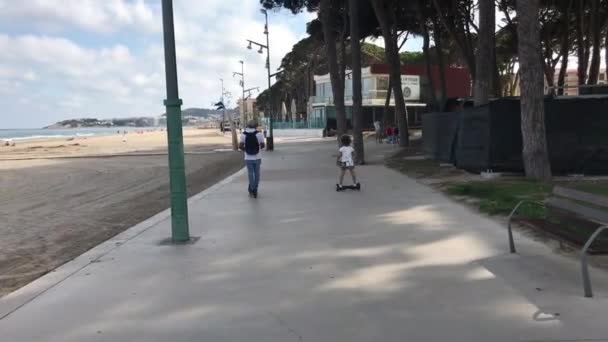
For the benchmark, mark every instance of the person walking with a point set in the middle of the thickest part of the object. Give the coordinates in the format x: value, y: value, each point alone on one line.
x: 251, y: 143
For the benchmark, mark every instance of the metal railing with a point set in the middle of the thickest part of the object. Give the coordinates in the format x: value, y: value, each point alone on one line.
x: 587, y: 288
x: 329, y: 100
x: 510, y: 219
x: 584, y: 267
x: 365, y: 96
x: 578, y: 87
x: 315, y: 123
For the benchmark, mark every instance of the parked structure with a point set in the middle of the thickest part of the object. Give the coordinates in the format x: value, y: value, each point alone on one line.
x: 248, y: 109
x: 571, y: 84
x: 375, y: 85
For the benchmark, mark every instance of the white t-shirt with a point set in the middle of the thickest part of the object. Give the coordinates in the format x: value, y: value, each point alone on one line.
x: 377, y: 126
x: 260, y: 137
x: 347, y: 155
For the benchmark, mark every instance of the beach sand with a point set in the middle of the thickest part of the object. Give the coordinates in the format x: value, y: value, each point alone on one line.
x: 131, y: 143
x: 60, y: 198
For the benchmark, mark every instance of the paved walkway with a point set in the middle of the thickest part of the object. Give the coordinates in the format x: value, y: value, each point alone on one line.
x: 395, y: 262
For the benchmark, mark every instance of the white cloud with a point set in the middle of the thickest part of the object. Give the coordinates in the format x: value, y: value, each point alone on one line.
x: 106, y: 58
x: 91, y: 15
x: 30, y: 76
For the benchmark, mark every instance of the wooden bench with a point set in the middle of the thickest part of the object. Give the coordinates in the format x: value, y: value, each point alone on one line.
x: 581, y: 205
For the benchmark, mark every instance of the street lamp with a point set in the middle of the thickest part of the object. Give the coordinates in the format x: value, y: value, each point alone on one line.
x: 245, y: 91
x: 244, y: 107
x: 177, y: 173
x: 270, y: 138
x: 235, y: 144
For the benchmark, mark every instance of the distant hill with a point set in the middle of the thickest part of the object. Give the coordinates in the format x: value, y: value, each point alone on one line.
x: 90, y: 122
x: 202, y: 113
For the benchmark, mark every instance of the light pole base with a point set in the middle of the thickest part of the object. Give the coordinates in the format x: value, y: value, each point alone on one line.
x: 269, y: 143
x: 177, y: 172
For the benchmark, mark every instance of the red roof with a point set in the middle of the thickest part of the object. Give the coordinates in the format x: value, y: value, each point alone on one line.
x: 458, y: 79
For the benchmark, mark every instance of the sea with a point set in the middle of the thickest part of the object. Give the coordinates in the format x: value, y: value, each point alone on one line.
x: 52, y: 133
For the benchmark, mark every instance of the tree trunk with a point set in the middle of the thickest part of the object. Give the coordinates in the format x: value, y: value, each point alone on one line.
x: 327, y: 16
x: 561, y: 80
x: 441, y: 62
x: 583, y: 58
x: 535, y: 153
x: 426, y: 39
x: 458, y: 34
x: 392, y: 57
x: 515, y: 83
x: 498, y: 86
x: 606, y: 44
x: 596, y: 32
x: 343, y: 38
x: 342, y: 55
x: 547, y: 61
x: 565, y: 49
x: 389, y: 93
x: 485, y: 53
x: 355, y: 47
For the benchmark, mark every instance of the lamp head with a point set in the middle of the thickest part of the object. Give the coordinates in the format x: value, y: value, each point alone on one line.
x: 249, y: 46
x: 261, y: 50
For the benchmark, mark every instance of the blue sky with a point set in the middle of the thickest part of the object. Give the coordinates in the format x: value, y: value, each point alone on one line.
x: 63, y: 59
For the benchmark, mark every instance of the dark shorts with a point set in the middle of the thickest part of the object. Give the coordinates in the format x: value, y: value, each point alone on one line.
x: 343, y: 166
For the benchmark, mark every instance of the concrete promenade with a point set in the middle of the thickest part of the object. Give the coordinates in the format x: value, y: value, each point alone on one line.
x: 395, y: 262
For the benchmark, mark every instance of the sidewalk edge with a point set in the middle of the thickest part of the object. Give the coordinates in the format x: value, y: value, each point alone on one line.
x: 26, y: 294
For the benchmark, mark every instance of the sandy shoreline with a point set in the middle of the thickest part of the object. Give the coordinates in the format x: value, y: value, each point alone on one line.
x: 62, y: 197
x: 131, y: 143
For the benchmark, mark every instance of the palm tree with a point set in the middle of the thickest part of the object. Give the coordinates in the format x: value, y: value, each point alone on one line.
x: 385, y: 13
x: 355, y: 47
x: 535, y: 153
x: 328, y: 13
x: 485, y: 53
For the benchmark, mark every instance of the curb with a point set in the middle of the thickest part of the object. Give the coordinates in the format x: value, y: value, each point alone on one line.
x: 13, y: 301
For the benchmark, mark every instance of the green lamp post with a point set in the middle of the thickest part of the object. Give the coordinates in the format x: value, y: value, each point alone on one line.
x: 177, y: 172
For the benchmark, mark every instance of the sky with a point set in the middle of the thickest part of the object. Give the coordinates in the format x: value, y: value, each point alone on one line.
x: 63, y: 59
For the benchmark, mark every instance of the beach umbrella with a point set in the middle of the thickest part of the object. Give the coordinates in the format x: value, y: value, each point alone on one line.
x: 294, y: 110
x: 283, y: 110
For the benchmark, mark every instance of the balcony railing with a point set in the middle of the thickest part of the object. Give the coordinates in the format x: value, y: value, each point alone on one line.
x: 315, y: 123
x: 369, y: 95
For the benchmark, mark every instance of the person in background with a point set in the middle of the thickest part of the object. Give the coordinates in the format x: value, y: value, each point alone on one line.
x: 388, y: 132
x: 251, y: 143
x: 396, y: 135
x: 378, y: 128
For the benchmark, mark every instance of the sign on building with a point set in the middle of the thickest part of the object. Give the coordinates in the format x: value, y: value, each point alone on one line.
x: 411, y: 87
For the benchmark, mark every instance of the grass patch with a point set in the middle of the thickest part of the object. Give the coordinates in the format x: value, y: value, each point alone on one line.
x: 500, y: 197
x: 408, y: 161
x: 597, y: 188
x: 414, y: 168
